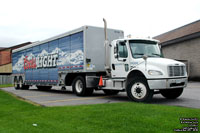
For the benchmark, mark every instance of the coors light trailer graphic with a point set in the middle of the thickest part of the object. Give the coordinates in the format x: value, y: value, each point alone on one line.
x: 57, y: 61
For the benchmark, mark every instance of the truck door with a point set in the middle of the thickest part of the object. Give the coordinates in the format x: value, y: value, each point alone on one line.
x: 120, y: 63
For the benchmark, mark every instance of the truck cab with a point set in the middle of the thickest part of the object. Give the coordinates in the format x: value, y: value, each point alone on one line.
x: 138, y: 67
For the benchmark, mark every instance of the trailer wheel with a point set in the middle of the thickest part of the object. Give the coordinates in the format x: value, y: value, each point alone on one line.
x: 21, y: 85
x: 138, y: 90
x: 16, y: 85
x: 79, y: 87
x: 111, y: 92
x: 171, y: 93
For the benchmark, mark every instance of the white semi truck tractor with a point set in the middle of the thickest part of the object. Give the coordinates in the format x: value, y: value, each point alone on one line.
x: 91, y: 58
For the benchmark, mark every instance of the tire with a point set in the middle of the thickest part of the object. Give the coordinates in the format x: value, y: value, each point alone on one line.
x: 16, y: 85
x: 79, y: 87
x: 111, y: 92
x: 21, y: 85
x: 138, y: 90
x: 171, y: 93
x: 44, y: 87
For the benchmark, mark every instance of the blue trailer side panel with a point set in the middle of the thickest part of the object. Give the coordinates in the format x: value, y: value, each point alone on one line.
x: 76, y: 58
x: 71, y: 52
x: 36, y: 72
x: 43, y: 70
x: 18, y: 62
x: 53, y: 71
x: 40, y: 64
x: 64, y: 48
x: 28, y: 72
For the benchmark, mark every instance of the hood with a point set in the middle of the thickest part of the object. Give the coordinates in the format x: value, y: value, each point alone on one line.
x: 163, y: 61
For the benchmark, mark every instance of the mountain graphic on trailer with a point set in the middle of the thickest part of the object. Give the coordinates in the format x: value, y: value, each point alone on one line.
x: 64, y: 58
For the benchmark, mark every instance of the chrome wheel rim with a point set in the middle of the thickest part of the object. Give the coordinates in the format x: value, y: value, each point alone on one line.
x: 79, y: 86
x: 139, y: 90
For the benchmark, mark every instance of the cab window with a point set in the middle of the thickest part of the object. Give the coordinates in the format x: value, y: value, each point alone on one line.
x: 123, y: 53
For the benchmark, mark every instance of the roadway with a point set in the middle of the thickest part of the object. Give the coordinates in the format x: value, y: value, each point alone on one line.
x: 56, y: 97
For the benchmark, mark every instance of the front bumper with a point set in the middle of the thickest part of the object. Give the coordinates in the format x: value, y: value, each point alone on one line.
x: 167, y: 83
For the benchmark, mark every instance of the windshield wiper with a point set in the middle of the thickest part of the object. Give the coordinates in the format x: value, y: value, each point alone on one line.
x: 156, y: 54
x: 138, y: 54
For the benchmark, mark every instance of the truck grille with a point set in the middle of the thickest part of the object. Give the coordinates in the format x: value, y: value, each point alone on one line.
x: 176, y: 71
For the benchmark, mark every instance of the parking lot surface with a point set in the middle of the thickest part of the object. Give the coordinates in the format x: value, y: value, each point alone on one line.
x: 56, y: 97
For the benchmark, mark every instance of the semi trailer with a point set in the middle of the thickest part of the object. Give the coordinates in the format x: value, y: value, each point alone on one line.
x: 92, y: 58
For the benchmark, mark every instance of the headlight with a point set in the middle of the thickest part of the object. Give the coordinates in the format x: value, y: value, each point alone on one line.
x: 155, y: 72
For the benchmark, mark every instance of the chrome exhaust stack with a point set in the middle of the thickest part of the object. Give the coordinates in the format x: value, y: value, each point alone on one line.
x: 105, y: 29
x: 107, y: 50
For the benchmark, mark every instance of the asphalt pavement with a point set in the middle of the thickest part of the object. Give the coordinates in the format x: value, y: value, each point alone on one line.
x: 56, y: 97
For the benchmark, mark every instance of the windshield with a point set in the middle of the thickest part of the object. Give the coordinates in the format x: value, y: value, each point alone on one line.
x: 143, y: 47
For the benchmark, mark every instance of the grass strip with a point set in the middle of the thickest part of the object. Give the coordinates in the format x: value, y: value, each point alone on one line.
x: 20, y: 116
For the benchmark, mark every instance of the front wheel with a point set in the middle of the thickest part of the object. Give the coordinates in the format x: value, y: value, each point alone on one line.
x: 79, y: 87
x: 138, y: 90
x: 171, y: 93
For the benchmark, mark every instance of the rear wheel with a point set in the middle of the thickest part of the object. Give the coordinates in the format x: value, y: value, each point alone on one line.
x: 171, y: 93
x: 16, y: 85
x: 79, y: 87
x: 138, y: 90
x: 111, y: 92
x: 21, y: 85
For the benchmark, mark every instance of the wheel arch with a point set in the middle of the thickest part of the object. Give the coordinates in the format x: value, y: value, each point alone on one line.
x: 133, y: 74
x: 69, y: 78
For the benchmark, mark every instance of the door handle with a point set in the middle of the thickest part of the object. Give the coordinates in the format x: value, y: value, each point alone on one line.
x: 113, y: 66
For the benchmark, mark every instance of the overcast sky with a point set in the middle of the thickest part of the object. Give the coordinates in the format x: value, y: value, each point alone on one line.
x: 36, y: 20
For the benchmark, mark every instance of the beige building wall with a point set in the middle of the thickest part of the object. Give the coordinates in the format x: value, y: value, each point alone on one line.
x: 6, y: 68
x: 187, y: 50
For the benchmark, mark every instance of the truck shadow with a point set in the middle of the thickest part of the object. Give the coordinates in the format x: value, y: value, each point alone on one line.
x: 121, y: 97
x: 162, y: 100
x: 54, y: 91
